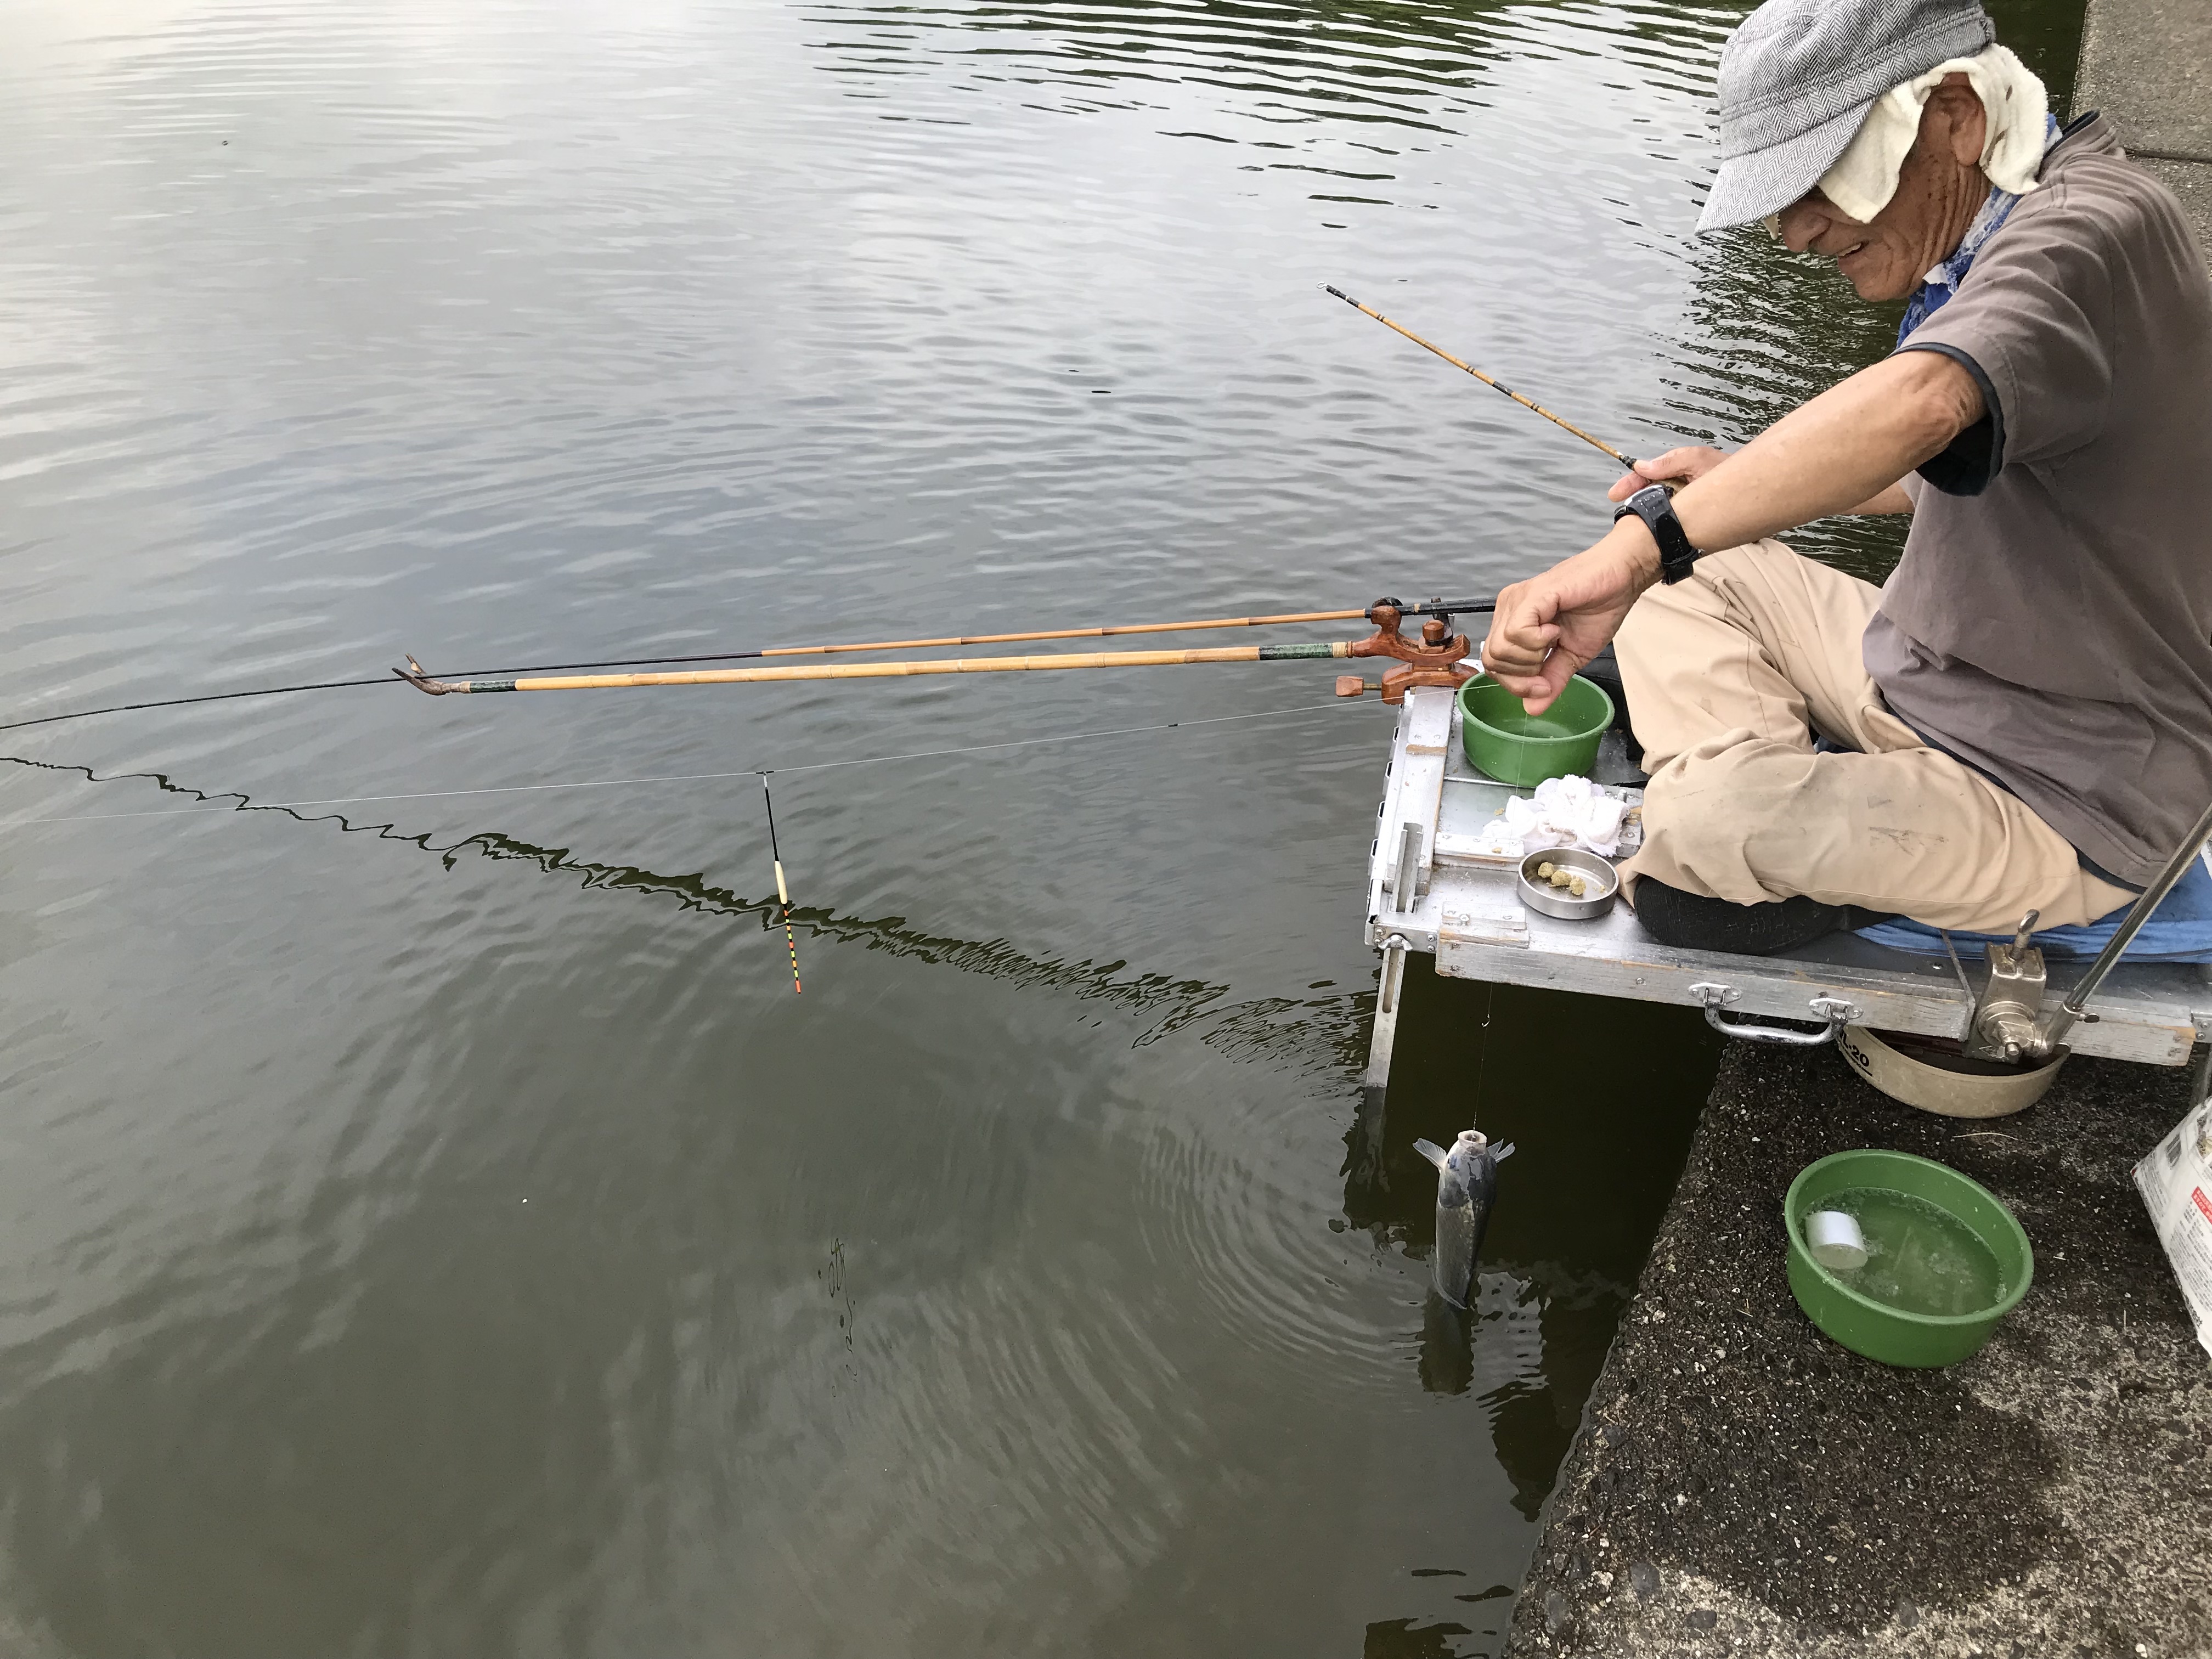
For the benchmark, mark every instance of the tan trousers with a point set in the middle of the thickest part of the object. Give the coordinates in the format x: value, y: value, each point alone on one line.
x: 1728, y: 675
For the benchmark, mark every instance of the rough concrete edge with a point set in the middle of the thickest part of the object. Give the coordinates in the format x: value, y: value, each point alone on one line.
x: 2129, y: 45
x: 1595, y: 1583
x: 2180, y: 160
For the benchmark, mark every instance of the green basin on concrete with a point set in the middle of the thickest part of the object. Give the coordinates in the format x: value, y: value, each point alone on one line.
x: 1895, y: 1335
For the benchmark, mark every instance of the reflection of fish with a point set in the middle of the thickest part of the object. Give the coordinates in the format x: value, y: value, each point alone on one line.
x: 1446, y: 1347
x: 1466, y: 1188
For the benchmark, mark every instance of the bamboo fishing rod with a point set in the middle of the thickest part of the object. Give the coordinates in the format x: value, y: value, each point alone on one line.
x: 1438, y: 659
x: 1525, y: 402
x: 1435, y: 607
x: 481, y: 680
x: 1312, y: 651
x: 1440, y: 608
x: 1291, y: 616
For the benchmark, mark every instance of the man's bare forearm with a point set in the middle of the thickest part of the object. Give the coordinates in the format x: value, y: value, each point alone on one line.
x: 1843, y: 452
x: 1849, y: 445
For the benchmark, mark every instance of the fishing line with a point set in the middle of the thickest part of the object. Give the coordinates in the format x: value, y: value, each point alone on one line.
x: 248, y: 805
x: 1482, y: 1061
x: 180, y: 702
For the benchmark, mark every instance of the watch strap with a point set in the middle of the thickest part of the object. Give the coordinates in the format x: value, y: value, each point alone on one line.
x: 1655, y: 508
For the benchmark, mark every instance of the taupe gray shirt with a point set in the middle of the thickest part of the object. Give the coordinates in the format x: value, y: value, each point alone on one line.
x: 2050, y: 623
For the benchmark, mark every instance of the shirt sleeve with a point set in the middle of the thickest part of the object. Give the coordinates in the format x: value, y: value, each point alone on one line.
x: 2033, y: 323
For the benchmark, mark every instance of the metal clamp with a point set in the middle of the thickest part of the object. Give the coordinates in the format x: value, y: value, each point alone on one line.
x: 1834, y: 1010
x: 1395, y: 949
x: 2005, y: 1026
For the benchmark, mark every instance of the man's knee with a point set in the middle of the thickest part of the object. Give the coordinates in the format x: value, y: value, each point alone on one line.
x: 1709, y: 810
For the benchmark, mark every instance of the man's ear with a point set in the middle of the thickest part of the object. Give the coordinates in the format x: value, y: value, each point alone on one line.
x: 1966, y: 124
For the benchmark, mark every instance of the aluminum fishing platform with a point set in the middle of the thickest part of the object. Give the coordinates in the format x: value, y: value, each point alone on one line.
x: 1430, y: 893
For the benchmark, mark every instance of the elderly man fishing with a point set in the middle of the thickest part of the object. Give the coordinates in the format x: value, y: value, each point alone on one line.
x: 2022, y: 719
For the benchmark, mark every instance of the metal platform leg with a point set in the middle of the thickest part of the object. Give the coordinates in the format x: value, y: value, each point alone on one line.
x: 1394, y: 951
x: 1368, y: 1177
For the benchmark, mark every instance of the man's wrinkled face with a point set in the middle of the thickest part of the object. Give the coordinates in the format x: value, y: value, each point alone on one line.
x: 1939, y: 190
x: 1878, y: 257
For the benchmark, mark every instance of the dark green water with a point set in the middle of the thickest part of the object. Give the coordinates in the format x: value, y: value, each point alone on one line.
x: 1526, y: 725
x: 1919, y: 1257
x: 431, y: 1222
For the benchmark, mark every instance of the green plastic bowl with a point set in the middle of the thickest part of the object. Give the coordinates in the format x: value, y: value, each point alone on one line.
x: 1505, y: 741
x: 1873, y: 1328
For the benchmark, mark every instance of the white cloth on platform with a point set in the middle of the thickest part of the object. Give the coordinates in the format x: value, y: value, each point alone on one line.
x: 1568, y: 811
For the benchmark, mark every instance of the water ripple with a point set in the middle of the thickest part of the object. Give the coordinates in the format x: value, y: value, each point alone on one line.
x: 438, y: 1225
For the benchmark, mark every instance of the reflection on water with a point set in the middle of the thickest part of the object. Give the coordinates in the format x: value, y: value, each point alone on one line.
x: 1174, y: 1004
x: 419, y: 1235
x: 1575, y: 1213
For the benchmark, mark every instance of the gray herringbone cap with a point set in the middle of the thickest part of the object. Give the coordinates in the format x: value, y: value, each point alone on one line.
x: 1798, y: 77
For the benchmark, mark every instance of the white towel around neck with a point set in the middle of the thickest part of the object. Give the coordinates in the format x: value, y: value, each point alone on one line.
x: 1864, y: 177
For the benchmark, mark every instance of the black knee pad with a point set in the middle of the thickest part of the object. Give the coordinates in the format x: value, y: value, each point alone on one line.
x: 1689, y: 921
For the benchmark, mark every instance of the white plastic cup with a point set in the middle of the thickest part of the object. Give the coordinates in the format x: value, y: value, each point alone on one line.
x: 1835, y: 1241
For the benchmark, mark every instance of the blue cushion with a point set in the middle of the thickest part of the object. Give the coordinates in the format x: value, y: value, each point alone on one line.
x: 2179, y: 931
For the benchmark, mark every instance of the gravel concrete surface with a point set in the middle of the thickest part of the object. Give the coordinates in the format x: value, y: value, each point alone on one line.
x: 2148, y: 65
x: 1741, y: 1485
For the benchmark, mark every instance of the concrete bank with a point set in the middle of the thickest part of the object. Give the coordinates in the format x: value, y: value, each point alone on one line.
x: 1742, y: 1484
x: 2148, y: 65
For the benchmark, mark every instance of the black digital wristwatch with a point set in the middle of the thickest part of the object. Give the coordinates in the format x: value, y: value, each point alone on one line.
x: 1655, y: 508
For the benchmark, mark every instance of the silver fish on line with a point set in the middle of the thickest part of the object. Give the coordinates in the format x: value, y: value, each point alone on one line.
x: 1466, y: 1189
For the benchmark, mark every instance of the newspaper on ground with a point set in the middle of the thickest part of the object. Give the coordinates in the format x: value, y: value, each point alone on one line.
x: 2176, y: 1182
